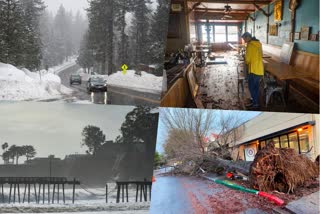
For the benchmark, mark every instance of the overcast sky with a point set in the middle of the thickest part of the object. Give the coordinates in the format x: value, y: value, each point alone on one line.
x: 77, y: 5
x: 74, y: 5
x: 56, y: 128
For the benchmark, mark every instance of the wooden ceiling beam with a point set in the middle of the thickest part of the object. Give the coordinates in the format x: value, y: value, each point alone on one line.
x: 233, y: 1
x: 222, y: 10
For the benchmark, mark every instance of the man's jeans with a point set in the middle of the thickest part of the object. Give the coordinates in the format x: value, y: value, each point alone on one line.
x: 254, y: 85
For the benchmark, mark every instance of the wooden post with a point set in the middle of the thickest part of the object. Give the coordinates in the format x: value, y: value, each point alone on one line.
x: 122, y: 185
x: 118, y: 193
x: 10, y: 192
x: 49, y: 192
x: 107, y: 193
x: 74, y: 189
x: 28, y: 192
x: 141, y: 189
x: 64, y: 199
x: 127, y: 193
x: 35, y: 192
x: 2, y: 193
x: 19, y: 193
x: 14, y: 193
x: 43, y: 192
x: 58, y: 193
x: 39, y: 194
x: 137, y: 192
x: 145, y: 191
x: 53, y: 192
x: 24, y: 194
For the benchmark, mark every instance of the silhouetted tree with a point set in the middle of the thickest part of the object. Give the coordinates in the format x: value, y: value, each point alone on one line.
x: 140, y: 126
x: 93, y: 138
x: 29, y: 151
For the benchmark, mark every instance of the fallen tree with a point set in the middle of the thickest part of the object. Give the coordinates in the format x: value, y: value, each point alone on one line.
x: 281, y: 169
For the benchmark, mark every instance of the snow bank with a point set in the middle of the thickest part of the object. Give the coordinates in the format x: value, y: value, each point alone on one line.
x: 16, y: 84
x: 145, y: 82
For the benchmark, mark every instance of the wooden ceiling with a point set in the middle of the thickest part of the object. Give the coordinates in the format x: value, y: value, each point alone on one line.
x: 214, y: 10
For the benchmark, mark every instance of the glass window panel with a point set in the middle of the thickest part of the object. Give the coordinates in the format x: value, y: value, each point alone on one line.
x: 232, y: 33
x: 220, y: 33
x: 304, y: 140
x: 293, y: 141
x: 204, y: 30
x: 276, y: 142
x: 262, y: 144
x: 284, y: 141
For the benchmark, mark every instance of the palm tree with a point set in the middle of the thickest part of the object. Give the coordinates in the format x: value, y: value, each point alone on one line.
x: 5, y: 146
x: 16, y: 152
x: 29, y: 151
x: 6, y: 157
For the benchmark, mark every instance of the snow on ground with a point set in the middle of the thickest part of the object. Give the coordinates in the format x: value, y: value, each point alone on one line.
x: 145, y: 82
x: 21, y: 84
x: 64, y: 65
x: 87, y: 200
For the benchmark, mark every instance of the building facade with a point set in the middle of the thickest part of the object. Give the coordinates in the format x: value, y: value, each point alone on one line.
x: 297, y: 131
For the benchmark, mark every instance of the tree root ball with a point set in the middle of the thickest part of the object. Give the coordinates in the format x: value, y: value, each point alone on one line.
x: 281, y: 169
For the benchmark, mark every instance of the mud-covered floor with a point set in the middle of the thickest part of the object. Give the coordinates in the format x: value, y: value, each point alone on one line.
x: 218, y: 89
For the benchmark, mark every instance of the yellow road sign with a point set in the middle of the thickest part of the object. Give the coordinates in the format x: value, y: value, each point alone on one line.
x: 124, y: 69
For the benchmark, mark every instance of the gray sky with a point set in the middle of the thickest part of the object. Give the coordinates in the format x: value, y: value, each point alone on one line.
x: 77, y: 5
x: 74, y: 5
x: 54, y: 128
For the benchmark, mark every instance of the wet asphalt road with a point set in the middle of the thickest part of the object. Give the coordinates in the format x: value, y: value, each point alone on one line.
x: 80, y: 91
x: 186, y: 194
x: 114, y: 96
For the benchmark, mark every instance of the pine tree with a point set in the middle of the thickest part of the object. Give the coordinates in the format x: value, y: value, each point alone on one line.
x: 141, y: 12
x: 12, y: 32
x: 85, y: 58
x: 33, y: 10
x: 158, y: 35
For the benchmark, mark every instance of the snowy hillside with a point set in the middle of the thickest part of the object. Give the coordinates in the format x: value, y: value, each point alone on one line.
x: 16, y: 84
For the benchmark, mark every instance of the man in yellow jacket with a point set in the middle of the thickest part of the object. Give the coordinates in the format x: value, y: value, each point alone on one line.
x: 254, y: 63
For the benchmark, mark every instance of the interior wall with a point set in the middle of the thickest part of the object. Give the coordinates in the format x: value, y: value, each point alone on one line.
x: 307, y: 14
x: 180, y: 37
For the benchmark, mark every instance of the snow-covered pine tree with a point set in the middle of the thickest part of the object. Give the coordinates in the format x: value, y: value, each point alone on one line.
x: 86, y: 57
x: 122, y: 42
x: 158, y: 32
x: 33, y: 10
x: 62, y: 44
x: 12, y: 32
x: 141, y: 12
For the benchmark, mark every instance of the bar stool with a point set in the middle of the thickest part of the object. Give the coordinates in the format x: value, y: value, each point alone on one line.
x: 271, y: 88
x: 241, y: 71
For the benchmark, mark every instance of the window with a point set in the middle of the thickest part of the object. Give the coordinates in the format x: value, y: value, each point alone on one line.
x: 220, y: 33
x: 304, y: 140
x: 276, y: 142
x: 293, y: 141
x: 284, y: 141
x: 204, y: 32
x: 297, y: 140
x: 233, y: 34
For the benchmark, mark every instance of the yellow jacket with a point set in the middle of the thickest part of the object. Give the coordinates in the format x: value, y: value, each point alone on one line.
x: 254, y: 57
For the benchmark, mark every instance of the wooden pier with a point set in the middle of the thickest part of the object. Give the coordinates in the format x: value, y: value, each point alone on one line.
x: 143, y: 188
x: 37, y: 185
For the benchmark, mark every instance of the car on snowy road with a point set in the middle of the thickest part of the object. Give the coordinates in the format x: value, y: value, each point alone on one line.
x: 96, y: 84
x: 75, y: 78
